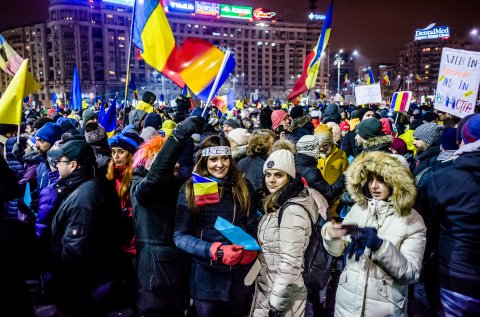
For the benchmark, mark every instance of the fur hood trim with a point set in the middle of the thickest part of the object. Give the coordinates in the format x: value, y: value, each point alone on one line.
x: 147, y: 152
x: 394, y: 174
x: 300, y: 122
x: 378, y: 141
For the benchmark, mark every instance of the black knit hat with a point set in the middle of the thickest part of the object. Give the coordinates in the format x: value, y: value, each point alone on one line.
x: 296, y: 112
x: 369, y: 128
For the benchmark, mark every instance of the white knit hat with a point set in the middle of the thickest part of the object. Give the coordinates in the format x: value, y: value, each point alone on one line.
x: 309, y: 145
x: 239, y: 135
x: 282, y: 160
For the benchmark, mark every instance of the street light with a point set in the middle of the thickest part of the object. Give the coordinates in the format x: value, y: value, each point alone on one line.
x: 338, y: 62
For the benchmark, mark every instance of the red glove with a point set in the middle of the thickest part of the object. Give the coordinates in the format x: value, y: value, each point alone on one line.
x: 248, y: 257
x: 231, y: 254
x: 214, y: 250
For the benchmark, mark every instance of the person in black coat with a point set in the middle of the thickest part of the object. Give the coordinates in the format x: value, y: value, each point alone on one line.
x: 160, y: 265
x: 85, y: 233
x: 218, y: 267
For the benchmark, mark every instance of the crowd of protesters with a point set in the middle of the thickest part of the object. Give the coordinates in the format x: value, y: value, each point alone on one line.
x: 105, y: 223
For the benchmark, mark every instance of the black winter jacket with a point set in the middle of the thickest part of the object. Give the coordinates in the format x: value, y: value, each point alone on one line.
x: 307, y: 167
x: 252, y: 167
x: 427, y: 158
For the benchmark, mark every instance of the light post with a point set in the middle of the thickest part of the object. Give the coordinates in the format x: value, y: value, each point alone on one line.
x: 338, y: 62
x: 409, y: 80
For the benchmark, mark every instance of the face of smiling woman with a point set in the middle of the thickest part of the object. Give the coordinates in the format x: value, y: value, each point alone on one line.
x: 275, y: 179
x: 218, y: 166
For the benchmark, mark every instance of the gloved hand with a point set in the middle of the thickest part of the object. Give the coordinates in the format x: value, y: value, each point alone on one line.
x: 355, y: 247
x: 229, y: 254
x: 188, y: 127
x: 273, y: 313
x: 368, y: 237
x: 248, y: 257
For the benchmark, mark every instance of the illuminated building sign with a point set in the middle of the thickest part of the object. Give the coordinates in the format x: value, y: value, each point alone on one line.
x: 238, y: 12
x: 124, y: 2
x: 316, y: 16
x: 263, y: 14
x: 431, y: 32
x: 181, y: 6
x: 207, y: 8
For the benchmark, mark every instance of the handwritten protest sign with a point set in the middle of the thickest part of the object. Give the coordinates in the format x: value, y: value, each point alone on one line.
x: 458, y: 80
x: 368, y: 94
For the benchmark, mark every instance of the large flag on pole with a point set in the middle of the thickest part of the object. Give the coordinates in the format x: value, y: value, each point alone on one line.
x: 12, y: 63
x: 22, y: 84
x: 133, y: 87
x: 312, y: 62
x: 153, y: 36
x: 370, y: 78
x: 109, y: 120
x: 76, y: 94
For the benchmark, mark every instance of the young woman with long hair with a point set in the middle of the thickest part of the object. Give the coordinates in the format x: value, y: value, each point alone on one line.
x: 218, y: 267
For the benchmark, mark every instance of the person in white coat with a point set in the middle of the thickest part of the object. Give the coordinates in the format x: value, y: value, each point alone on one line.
x: 382, y: 237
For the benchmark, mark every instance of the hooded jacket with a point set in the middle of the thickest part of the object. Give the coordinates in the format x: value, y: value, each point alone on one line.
x: 382, y: 143
x: 377, y: 284
x: 454, y: 200
x: 300, y: 127
x: 280, y: 283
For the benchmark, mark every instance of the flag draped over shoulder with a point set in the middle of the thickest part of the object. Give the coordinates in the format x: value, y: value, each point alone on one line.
x: 12, y: 63
x: 312, y: 62
x: 22, y: 84
x: 201, y: 57
x: 153, y: 36
x: 76, y: 94
x: 205, y: 190
x: 109, y: 120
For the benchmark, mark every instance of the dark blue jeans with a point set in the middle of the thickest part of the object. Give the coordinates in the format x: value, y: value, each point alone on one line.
x: 459, y: 305
x: 234, y: 308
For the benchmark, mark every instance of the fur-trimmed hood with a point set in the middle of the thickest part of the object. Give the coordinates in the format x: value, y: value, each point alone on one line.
x: 147, y: 152
x: 394, y: 174
x: 379, y: 143
x: 300, y: 122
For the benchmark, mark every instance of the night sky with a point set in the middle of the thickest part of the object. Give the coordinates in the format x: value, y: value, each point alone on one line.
x: 377, y: 29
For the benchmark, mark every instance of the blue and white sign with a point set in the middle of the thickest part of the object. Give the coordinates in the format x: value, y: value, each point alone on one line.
x: 181, y: 6
x: 431, y: 32
x: 316, y: 16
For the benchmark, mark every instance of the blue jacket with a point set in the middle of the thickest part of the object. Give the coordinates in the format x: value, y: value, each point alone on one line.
x: 16, y: 166
x: 195, y: 233
x: 48, y: 204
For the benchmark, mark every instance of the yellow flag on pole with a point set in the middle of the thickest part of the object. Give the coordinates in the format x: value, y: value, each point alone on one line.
x: 22, y: 84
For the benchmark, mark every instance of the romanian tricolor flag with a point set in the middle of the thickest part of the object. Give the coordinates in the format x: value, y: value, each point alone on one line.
x: 345, y: 81
x: 386, y: 79
x: 133, y: 87
x: 205, y: 190
x: 200, y: 57
x: 109, y: 120
x: 153, y: 36
x: 225, y: 103
x: 370, y: 78
x: 312, y: 62
x: 401, y: 101
x: 12, y: 63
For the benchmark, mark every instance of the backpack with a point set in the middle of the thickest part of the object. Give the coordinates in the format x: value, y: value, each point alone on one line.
x: 317, y: 262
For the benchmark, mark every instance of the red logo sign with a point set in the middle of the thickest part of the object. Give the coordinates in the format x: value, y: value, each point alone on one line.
x: 263, y: 14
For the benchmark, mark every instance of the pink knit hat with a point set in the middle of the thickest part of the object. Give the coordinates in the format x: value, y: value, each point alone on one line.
x: 277, y: 117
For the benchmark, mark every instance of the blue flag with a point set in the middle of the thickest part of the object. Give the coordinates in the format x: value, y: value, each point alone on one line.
x: 109, y: 120
x: 76, y: 94
x: 101, y: 112
x: 236, y: 235
x: 27, y: 197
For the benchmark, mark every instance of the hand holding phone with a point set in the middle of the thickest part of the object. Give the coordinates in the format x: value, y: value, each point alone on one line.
x: 337, y: 230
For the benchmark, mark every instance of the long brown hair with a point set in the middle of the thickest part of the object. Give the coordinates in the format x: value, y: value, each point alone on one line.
x: 240, y: 191
x: 124, y: 191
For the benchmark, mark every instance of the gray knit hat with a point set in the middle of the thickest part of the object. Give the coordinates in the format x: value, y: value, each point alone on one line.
x: 95, y: 135
x: 282, y: 160
x: 309, y: 145
x: 428, y: 132
x: 88, y: 115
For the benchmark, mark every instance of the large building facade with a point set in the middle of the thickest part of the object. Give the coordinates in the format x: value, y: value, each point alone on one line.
x: 94, y: 35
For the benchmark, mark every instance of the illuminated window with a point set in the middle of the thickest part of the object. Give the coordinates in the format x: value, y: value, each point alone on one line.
x: 427, y: 66
x: 111, y: 72
x: 121, y: 38
x: 110, y: 16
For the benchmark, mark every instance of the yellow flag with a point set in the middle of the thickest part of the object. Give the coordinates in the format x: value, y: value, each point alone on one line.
x: 22, y: 85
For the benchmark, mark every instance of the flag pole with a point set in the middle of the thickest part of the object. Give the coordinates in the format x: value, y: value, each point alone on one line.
x: 217, y: 79
x: 128, y: 63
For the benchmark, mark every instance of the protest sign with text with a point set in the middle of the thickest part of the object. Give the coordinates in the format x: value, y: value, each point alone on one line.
x: 368, y: 94
x: 458, y: 80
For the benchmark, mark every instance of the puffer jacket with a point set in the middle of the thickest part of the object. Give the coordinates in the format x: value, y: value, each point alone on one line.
x: 252, y: 167
x: 48, y: 204
x: 377, y: 284
x: 15, y: 165
x: 280, y: 283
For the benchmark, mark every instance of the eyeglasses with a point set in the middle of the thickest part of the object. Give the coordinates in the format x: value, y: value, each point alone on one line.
x: 63, y: 162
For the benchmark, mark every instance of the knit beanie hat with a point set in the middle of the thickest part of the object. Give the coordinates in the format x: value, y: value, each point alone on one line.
x: 355, y: 114
x: 362, y: 112
x: 240, y: 136
x: 281, y: 160
x: 50, y: 132
x: 95, y: 134
x: 369, y: 128
x: 428, y: 132
x: 448, y: 139
x: 154, y: 120
x: 234, y: 124
x: 277, y: 117
x: 460, y: 127
x: 296, y: 112
x: 127, y: 141
x: 148, y: 133
x: 471, y: 129
x: 344, y: 126
x: 316, y: 114
x: 323, y: 132
x: 337, y: 135
x: 309, y: 145
x: 88, y: 115
x: 399, y: 145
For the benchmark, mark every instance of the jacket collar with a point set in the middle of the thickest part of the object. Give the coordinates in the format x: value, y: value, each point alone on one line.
x: 431, y: 151
x: 68, y: 184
